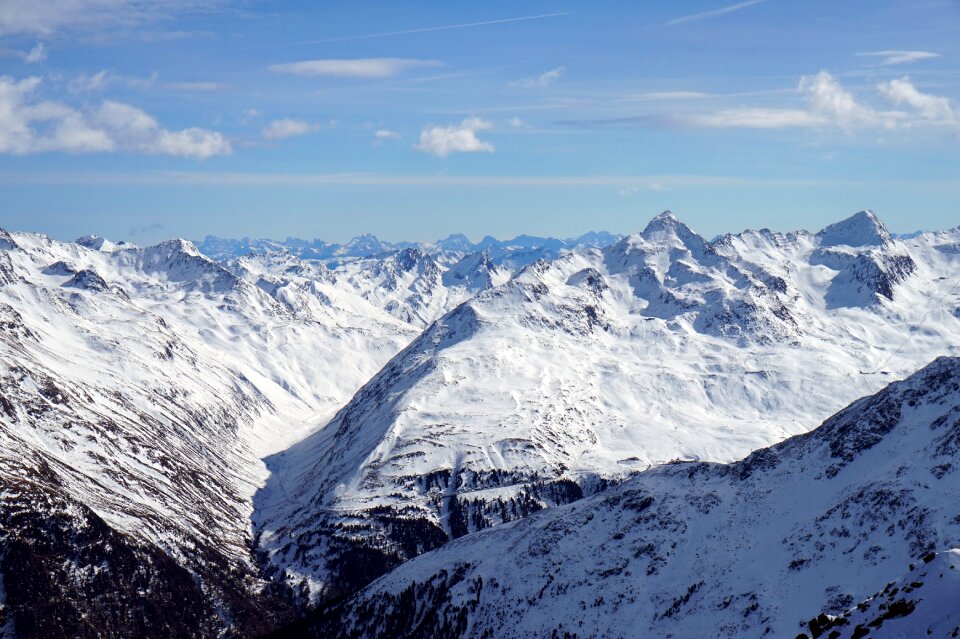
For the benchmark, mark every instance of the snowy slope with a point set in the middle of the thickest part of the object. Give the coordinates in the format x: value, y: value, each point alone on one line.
x: 418, y: 287
x: 751, y: 549
x: 581, y: 371
x: 922, y: 603
x: 139, y: 388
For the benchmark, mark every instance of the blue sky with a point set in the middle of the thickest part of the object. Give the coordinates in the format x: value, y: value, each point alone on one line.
x: 143, y: 120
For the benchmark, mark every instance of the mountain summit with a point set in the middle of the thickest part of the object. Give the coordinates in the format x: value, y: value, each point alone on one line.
x: 861, y: 229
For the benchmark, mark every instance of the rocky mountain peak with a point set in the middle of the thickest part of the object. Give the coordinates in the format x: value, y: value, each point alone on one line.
x: 861, y: 229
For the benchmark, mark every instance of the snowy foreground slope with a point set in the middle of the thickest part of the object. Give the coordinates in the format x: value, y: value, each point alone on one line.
x: 139, y: 389
x: 757, y: 548
x: 582, y: 371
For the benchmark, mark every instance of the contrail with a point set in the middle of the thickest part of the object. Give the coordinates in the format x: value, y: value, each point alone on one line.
x: 421, y: 30
x: 716, y: 12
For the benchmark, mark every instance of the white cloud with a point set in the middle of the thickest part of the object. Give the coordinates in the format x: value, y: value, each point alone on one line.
x: 44, y: 17
x: 828, y: 105
x: 30, y: 126
x: 933, y: 108
x: 755, y: 118
x: 446, y: 27
x: 354, y: 68
x: 656, y: 96
x: 249, y: 116
x: 37, y: 54
x: 382, y: 135
x: 88, y: 83
x: 190, y: 143
x: 831, y: 105
x: 633, y: 189
x: 194, y: 86
x: 892, y: 57
x: 441, y: 141
x: 102, y: 80
x: 288, y: 128
x: 516, y: 122
x: 544, y: 79
x: 837, y: 106
x: 715, y: 12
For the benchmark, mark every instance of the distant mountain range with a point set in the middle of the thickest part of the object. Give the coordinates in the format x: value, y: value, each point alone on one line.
x: 369, y: 246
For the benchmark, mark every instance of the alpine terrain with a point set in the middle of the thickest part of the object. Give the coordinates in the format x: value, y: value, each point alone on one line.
x: 847, y: 531
x: 581, y: 371
x: 217, y: 444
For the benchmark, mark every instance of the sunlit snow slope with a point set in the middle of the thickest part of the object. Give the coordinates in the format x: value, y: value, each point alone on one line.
x: 599, y: 364
x: 139, y: 388
x: 757, y: 548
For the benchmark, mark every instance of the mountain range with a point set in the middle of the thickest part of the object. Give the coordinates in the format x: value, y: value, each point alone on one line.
x: 222, y: 437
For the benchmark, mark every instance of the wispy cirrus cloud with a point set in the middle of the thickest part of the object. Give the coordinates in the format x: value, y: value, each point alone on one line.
x: 827, y: 105
x: 37, y: 54
x: 195, y: 86
x: 893, y: 57
x: 544, y: 79
x: 441, y: 141
x: 369, y: 68
x: 289, y: 128
x: 29, y: 125
x: 722, y: 11
x: 382, y: 135
x: 49, y: 16
x: 932, y: 108
x: 445, y: 27
x: 102, y: 80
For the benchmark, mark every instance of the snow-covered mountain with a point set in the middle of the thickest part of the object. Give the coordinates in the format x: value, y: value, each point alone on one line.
x: 518, y: 251
x: 582, y: 371
x: 139, y: 390
x: 214, y: 444
x: 410, y: 285
x: 792, y: 541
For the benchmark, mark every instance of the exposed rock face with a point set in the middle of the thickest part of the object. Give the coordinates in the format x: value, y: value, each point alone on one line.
x: 87, y: 280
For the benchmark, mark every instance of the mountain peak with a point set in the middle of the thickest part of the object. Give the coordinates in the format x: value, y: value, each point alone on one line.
x: 667, y: 228
x: 861, y: 229
x: 178, y: 245
x: 663, y: 220
x: 455, y: 242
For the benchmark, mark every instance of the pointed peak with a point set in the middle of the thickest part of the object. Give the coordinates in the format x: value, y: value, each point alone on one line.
x: 666, y: 227
x: 179, y: 245
x: 663, y: 219
x: 863, y: 228
x: 94, y: 242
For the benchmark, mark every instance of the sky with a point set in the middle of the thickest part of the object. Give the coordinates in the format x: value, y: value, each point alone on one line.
x: 143, y: 119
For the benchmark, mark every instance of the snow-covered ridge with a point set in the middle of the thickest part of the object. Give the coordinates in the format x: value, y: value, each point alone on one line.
x: 581, y: 371
x: 139, y: 388
x: 751, y: 549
